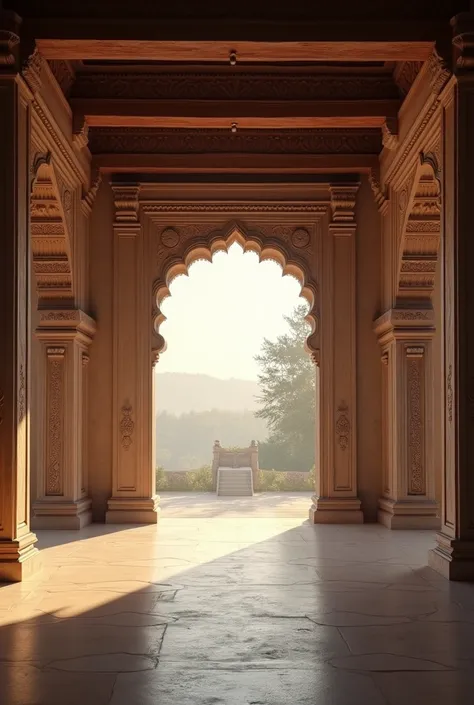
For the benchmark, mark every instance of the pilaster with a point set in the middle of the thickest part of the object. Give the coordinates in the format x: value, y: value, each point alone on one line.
x: 454, y: 553
x: 406, y: 340
x: 336, y: 500
x: 62, y: 500
x: 134, y: 498
x: 18, y: 555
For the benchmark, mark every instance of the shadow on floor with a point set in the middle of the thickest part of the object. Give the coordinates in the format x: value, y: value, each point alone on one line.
x: 237, y: 612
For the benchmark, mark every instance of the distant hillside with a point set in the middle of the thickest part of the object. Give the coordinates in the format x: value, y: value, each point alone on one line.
x: 179, y: 393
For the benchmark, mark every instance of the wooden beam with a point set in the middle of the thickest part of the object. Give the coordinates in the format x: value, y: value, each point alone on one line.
x: 247, y: 114
x: 236, y: 163
x: 251, y: 52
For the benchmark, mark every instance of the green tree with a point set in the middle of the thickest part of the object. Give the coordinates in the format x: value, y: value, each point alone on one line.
x: 288, y: 397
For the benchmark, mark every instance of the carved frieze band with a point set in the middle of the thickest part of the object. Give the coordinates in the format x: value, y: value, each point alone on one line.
x: 415, y: 372
x: 343, y: 426
x: 127, y: 425
x: 54, y: 471
x: 104, y: 140
x: 194, y: 85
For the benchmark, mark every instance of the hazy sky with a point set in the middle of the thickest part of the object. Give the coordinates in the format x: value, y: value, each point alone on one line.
x: 218, y: 316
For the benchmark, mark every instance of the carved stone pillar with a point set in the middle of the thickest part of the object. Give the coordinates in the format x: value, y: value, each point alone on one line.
x: 134, y: 498
x: 18, y: 555
x: 454, y: 553
x: 62, y: 494
x: 406, y: 339
x: 335, y: 500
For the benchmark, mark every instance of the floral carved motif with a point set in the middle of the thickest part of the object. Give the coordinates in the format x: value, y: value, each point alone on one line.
x: 55, y: 419
x: 449, y: 393
x: 343, y: 426
x: 126, y: 426
x: 169, y: 237
x: 300, y: 238
x: 415, y: 421
x: 21, y: 394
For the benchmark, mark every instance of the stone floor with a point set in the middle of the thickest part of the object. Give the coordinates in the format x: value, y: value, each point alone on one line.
x: 228, y: 610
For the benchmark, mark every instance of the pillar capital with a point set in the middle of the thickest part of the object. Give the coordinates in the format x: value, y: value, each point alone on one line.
x: 343, y: 201
x: 463, y: 42
x: 126, y: 203
x: 65, y: 324
x: 405, y: 324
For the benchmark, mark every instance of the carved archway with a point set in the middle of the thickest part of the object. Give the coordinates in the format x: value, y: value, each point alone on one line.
x: 51, y: 227
x: 280, y: 247
x: 420, y: 233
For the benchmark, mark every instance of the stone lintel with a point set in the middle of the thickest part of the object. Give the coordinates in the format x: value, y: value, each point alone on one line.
x: 344, y: 510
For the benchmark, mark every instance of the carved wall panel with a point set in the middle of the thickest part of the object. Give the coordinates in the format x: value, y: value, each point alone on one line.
x: 416, y: 422
x: 54, y: 429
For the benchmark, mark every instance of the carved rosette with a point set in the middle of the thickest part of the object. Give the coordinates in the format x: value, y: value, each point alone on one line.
x: 127, y: 425
x: 56, y: 360
x: 415, y: 395
x: 343, y: 426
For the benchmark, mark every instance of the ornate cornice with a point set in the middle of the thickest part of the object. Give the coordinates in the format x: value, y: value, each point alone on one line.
x: 233, y: 208
x: 88, y: 198
x: 232, y: 86
x: 183, y: 141
x: 32, y: 71
x: 439, y: 72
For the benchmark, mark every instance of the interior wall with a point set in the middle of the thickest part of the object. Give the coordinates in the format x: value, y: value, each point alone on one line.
x: 369, y: 371
x: 101, y: 352
x: 36, y: 427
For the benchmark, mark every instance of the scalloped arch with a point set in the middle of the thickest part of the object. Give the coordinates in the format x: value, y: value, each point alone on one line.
x: 220, y: 240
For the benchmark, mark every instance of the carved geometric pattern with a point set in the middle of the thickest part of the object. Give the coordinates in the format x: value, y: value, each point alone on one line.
x: 64, y: 74
x: 55, y: 419
x: 343, y: 426
x: 126, y: 426
x: 241, y: 86
x: 103, y: 140
x: 405, y: 74
x: 416, y: 483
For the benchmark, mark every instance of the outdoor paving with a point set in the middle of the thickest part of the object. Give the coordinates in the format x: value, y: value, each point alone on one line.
x: 212, y: 608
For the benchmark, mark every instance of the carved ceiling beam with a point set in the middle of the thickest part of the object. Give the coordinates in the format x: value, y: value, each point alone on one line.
x: 128, y: 163
x: 206, y: 40
x: 220, y: 114
x: 228, y: 83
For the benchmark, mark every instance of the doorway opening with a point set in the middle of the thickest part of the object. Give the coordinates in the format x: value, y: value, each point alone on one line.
x: 235, y: 388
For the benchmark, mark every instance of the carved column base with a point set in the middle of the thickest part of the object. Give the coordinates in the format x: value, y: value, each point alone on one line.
x: 399, y: 514
x: 48, y: 514
x: 335, y: 511
x: 452, y: 558
x: 19, y: 559
x: 131, y: 510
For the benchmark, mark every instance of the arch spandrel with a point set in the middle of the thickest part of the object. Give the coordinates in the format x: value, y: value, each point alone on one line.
x: 420, y: 232
x: 51, y: 225
x: 292, y: 246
